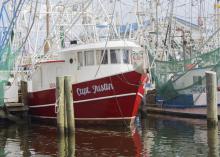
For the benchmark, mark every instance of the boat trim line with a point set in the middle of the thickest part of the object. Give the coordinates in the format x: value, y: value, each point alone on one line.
x: 94, y: 99
x: 117, y: 118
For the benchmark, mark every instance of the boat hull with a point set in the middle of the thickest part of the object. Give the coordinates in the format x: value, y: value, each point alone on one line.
x: 110, y: 99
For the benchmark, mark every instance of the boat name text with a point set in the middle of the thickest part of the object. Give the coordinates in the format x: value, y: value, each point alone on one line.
x: 94, y: 89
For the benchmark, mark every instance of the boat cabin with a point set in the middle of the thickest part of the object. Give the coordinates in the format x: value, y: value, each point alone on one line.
x: 87, y: 62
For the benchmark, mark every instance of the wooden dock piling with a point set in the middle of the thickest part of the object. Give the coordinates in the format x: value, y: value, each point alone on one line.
x: 24, y: 98
x: 24, y: 92
x: 211, y: 90
x: 213, y: 141
x: 60, y: 105
x: 69, y: 104
x: 71, y: 144
x: 65, y: 110
x: 61, y: 143
x: 65, y: 116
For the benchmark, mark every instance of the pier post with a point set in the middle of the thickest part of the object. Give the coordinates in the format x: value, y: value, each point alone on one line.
x: 61, y: 146
x: 60, y: 105
x: 24, y: 92
x: 24, y: 97
x: 211, y: 91
x: 213, y: 141
x: 69, y: 104
x: 1, y: 93
x: 71, y: 145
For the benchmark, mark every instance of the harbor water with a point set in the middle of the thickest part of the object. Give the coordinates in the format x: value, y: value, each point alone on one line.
x: 155, y: 136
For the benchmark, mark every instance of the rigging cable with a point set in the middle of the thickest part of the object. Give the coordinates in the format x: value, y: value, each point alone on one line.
x: 26, y: 38
x: 106, y: 42
x: 119, y: 108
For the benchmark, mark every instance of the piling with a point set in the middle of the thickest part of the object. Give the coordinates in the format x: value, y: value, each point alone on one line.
x: 24, y: 98
x: 69, y: 104
x: 213, y: 143
x: 60, y: 105
x: 66, y: 145
x: 24, y: 92
x: 71, y: 145
x: 65, y: 116
x: 61, y: 146
x: 211, y: 90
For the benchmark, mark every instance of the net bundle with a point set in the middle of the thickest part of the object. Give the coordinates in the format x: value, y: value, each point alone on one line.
x: 170, y: 77
x: 6, y: 66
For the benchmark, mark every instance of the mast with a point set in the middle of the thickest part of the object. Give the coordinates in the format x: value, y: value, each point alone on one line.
x: 157, y: 25
x: 170, y: 25
x: 47, y: 42
x: 200, y: 23
x: 169, y: 28
x: 217, y: 9
x: 151, y: 15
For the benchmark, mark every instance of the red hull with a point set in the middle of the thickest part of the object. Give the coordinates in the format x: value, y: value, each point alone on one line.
x: 109, y: 98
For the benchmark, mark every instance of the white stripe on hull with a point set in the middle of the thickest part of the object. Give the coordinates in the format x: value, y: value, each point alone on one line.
x: 107, y: 97
x: 37, y: 106
x: 94, y: 99
x: 140, y: 95
x: 116, y: 118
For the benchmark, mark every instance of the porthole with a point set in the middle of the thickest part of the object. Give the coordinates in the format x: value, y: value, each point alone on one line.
x: 71, y: 61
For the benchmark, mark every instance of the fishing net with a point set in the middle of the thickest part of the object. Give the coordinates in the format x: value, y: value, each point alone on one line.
x: 9, y: 12
x: 173, y: 79
x: 6, y: 65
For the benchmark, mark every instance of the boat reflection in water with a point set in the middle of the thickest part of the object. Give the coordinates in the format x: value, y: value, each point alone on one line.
x: 108, y: 143
x: 156, y: 136
x: 42, y: 141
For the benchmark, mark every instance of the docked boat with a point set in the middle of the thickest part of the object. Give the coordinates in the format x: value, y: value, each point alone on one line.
x: 182, y: 83
x: 105, y: 83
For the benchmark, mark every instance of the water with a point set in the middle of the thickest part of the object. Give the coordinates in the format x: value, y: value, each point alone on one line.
x: 154, y: 136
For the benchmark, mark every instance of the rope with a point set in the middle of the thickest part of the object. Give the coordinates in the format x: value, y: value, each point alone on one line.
x: 118, y: 105
x: 57, y: 107
x: 126, y: 81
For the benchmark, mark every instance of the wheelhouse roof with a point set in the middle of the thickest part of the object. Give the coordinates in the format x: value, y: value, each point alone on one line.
x: 91, y: 46
x: 102, y: 45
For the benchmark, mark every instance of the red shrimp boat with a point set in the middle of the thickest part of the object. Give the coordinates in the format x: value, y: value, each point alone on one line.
x: 106, y: 84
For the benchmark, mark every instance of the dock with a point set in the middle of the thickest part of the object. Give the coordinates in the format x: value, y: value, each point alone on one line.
x: 14, y: 112
x: 16, y: 107
x: 187, y: 112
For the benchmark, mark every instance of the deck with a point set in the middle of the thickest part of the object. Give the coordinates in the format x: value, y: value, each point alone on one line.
x: 191, y: 112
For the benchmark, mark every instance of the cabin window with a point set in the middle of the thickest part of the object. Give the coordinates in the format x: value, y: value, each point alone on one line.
x: 126, y: 57
x: 197, y: 80
x: 80, y: 58
x: 71, y: 61
x: 99, y: 56
x: 89, y: 57
x: 8, y: 83
x: 115, y: 56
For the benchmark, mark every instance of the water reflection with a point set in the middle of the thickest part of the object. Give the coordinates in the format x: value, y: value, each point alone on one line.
x: 42, y: 141
x: 213, y: 143
x: 155, y: 136
x: 14, y: 140
x: 108, y: 143
x: 66, y: 145
x: 167, y: 136
x: 61, y: 146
